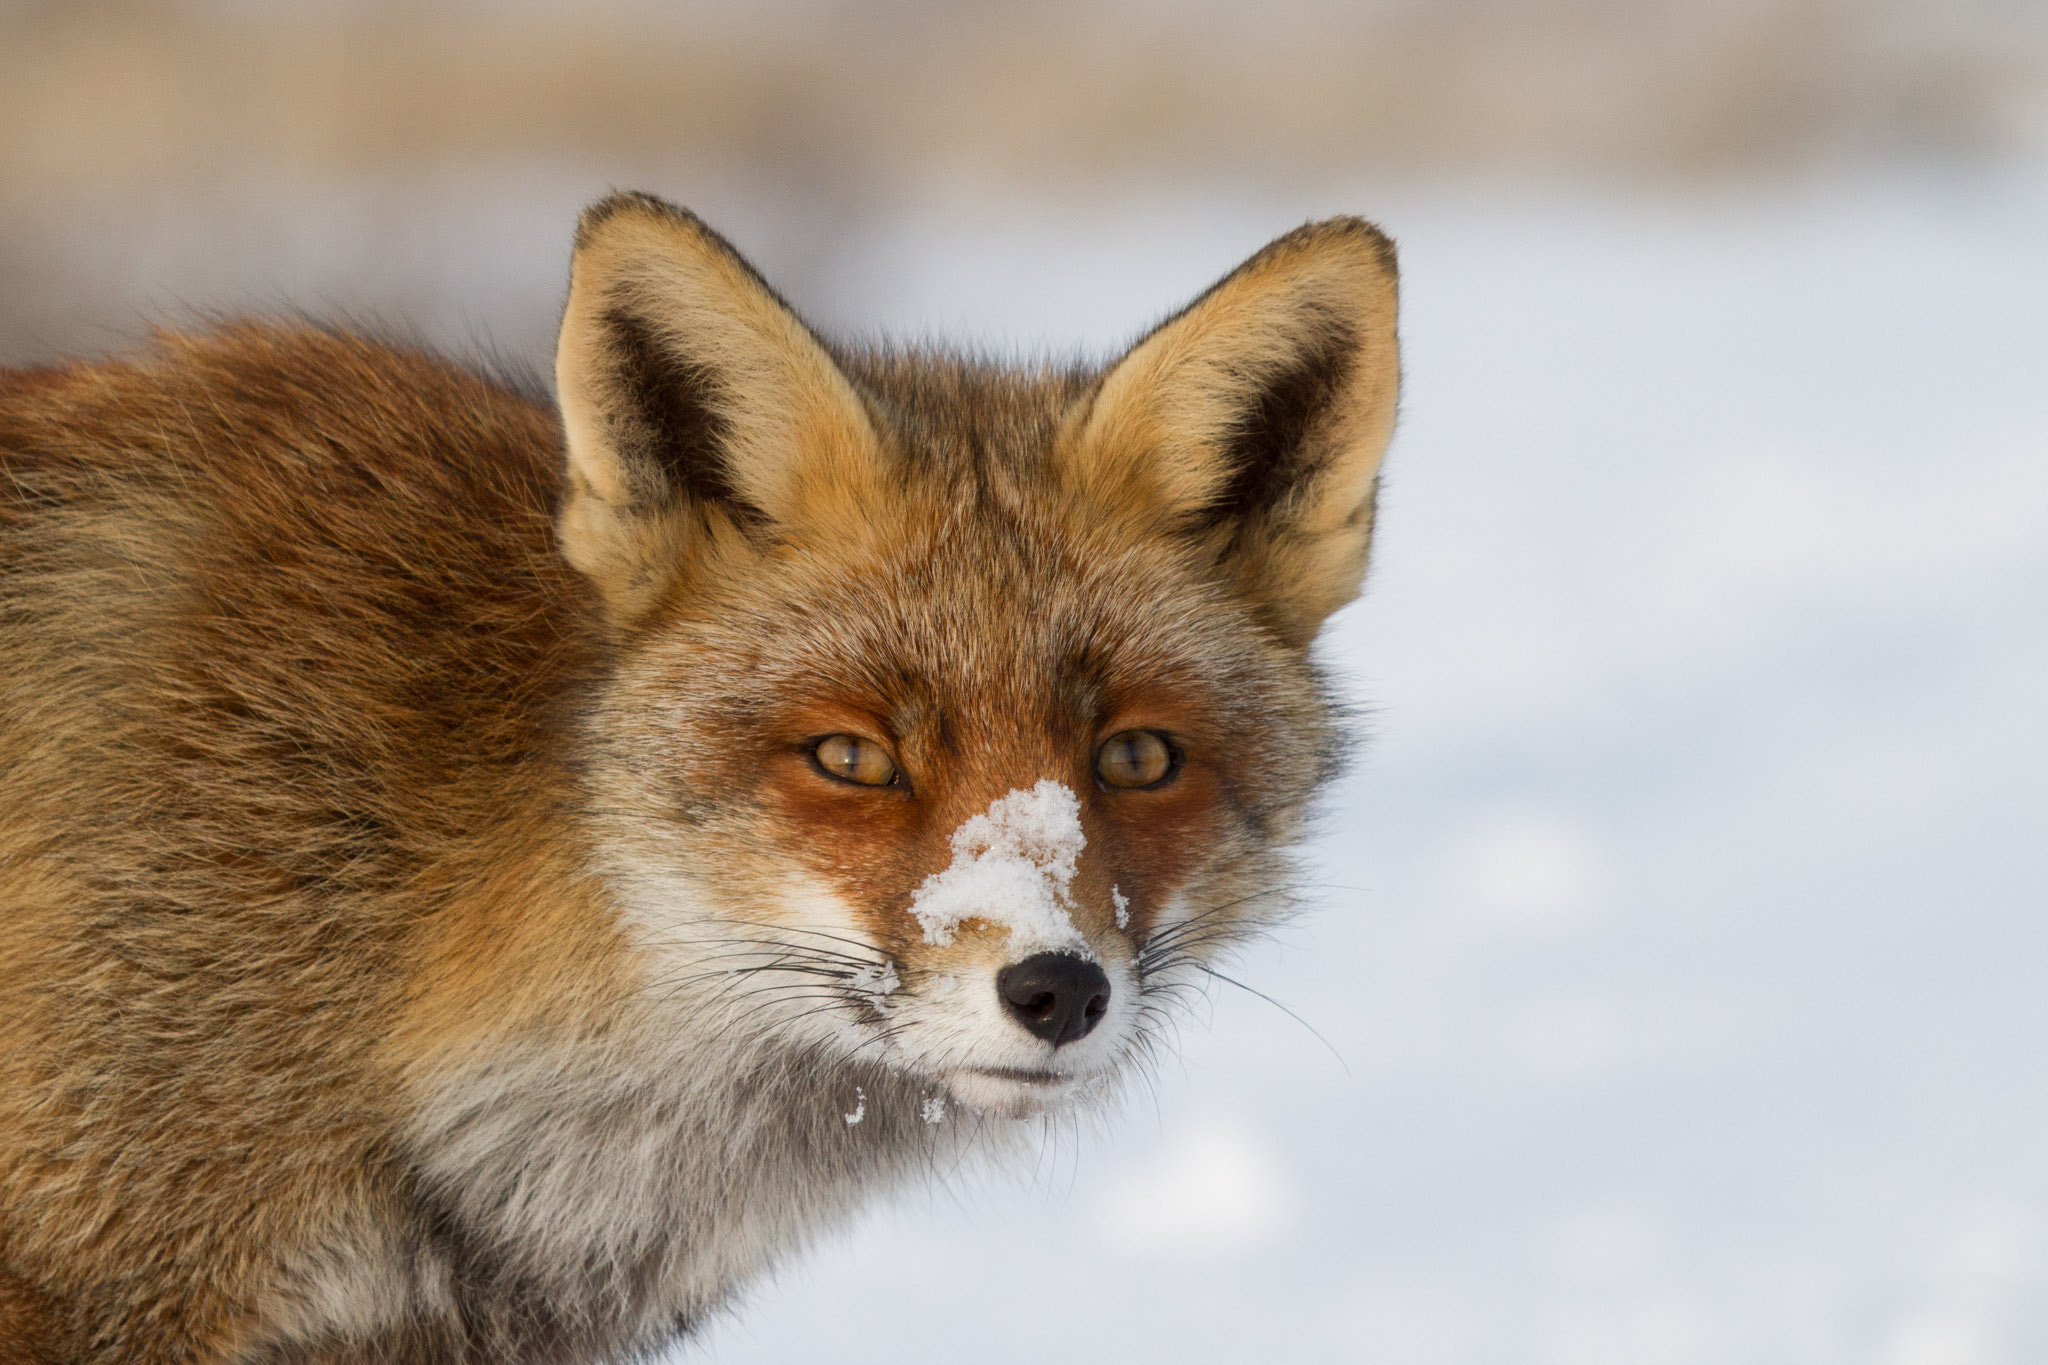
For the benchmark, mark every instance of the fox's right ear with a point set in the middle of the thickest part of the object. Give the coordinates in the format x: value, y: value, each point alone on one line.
x: 699, y: 410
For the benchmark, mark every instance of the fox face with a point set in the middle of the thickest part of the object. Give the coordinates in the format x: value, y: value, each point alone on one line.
x: 960, y: 713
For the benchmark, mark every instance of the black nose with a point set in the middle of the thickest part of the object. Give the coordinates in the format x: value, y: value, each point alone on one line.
x: 1057, y: 997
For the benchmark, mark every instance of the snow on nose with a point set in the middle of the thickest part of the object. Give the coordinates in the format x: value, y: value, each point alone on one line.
x: 1013, y: 866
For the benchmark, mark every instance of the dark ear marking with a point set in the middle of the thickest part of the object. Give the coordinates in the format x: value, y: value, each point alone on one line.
x: 681, y: 436
x: 1270, y: 448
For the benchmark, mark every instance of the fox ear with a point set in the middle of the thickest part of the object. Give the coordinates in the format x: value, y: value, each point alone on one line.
x: 699, y: 411
x: 1252, y: 422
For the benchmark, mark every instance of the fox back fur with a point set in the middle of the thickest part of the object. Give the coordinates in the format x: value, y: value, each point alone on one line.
x: 481, y: 877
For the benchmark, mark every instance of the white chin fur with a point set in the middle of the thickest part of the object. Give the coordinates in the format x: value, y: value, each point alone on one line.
x: 1015, y: 1097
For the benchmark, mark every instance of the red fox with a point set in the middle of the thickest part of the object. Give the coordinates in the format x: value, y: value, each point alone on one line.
x: 482, y: 877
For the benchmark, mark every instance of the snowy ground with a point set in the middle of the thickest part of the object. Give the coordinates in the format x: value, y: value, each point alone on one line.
x: 1684, y: 928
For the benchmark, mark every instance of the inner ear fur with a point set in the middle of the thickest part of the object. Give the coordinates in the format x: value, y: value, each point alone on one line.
x: 1253, y: 422
x: 698, y: 409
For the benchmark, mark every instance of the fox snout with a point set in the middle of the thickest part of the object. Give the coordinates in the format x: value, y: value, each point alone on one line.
x: 1057, y: 997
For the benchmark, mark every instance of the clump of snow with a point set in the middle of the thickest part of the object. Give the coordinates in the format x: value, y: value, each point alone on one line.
x: 934, y: 1109
x: 1012, y: 866
x: 860, y: 1107
x: 875, y: 981
x: 1123, y: 907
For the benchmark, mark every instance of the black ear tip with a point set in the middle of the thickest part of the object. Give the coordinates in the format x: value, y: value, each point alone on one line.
x: 638, y: 203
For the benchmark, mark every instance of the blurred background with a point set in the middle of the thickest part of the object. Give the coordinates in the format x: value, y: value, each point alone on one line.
x: 1679, y: 935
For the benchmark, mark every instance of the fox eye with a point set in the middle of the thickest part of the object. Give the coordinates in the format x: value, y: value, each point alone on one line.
x: 1136, y: 758
x: 853, y: 759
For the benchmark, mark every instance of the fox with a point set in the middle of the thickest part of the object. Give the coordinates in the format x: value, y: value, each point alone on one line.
x: 487, y: 874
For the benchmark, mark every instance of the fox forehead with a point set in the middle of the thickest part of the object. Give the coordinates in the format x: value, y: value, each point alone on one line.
x: 972, y: 615
x: 954, y: 419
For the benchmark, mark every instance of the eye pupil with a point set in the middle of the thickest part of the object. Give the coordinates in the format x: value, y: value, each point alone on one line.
x: 1135, y: 758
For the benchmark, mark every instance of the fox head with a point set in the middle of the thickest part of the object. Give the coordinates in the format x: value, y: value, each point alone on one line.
x: 957, y: 713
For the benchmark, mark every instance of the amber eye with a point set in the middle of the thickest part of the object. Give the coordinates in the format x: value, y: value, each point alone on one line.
x: 1135, y: 758
x: 853, y: 759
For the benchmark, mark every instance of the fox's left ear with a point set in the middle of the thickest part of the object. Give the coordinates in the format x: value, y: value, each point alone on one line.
x: 1253, y: 422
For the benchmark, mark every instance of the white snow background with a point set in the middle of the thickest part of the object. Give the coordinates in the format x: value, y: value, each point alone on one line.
x: 1684, y: 924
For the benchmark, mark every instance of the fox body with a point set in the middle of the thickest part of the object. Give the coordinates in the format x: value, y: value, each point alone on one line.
x: 482, y: 877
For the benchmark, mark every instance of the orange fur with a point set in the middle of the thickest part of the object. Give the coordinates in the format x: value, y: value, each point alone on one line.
x: 423, y: 932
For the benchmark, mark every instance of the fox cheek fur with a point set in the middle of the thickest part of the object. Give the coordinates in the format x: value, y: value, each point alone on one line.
x: 432, y: 922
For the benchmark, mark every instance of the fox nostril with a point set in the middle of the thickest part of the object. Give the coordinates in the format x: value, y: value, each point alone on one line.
x: 1054, y: 996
